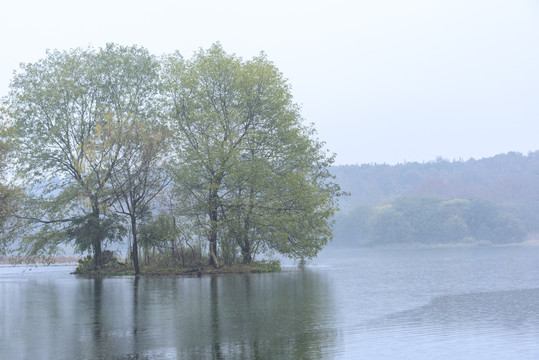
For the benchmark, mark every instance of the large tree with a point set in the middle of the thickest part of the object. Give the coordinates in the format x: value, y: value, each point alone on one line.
x: 141, y: 176
x: 8, y: 193
x: 245, y: 158
x: 281, y: 197
x: 71, y: 110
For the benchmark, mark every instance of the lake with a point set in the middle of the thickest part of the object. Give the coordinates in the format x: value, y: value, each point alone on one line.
x: 437, y: 303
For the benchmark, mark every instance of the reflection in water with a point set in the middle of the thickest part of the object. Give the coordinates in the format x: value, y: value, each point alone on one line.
x: 135, y: 313
x: 214, y: 313
x: 97, y: 316
x: 259, y: 316
x: 371, y: 304
x: 222, y: 317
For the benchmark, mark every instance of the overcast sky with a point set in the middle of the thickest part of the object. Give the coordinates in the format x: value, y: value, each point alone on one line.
x: 384, y: 81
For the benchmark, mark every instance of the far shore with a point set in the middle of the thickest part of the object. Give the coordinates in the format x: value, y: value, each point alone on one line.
x: 39, y: 260
x: 453, y: 245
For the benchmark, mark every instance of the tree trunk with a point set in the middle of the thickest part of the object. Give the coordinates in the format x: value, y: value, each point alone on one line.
x: 97, y: 254
x: 246, y: 253
x: 245, y: 245
x: 213, y: 228
x: 213, y: 251
x: 96, y: 241
x: 135, y: 245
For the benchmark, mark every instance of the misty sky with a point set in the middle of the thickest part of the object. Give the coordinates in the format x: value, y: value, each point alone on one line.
x: 383, y: 81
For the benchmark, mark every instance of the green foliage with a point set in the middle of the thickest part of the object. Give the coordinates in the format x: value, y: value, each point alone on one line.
x: 141, y: 174
x: 265, y: 266
x: 100, y: 130
x: 354, y: 225
x: 84, y: 229
x: 488, y: 200
x: 160, y: 232
x: 389, y: 226
x: 505, y: 179
x: 247, y: 166
x: 111, y: 266
x: 428, y: 220
x: 9, y: 194
x: 85, y: 265
x: 73, y: 112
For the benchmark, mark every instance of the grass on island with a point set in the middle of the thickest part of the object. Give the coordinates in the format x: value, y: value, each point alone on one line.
x: 115, y: 267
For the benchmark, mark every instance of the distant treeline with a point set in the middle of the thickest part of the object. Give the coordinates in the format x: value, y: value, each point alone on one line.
x: 492, y: 200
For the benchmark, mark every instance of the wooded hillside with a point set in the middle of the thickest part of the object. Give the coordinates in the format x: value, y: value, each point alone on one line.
x: 492, y: 200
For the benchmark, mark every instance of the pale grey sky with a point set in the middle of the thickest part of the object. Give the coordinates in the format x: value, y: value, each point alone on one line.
x: 383, y: 81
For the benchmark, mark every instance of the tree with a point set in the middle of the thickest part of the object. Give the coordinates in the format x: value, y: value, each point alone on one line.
x: 422, y: 214
x: 141, y: 175
x: 352, y: 229
x: 280, y: 197
x: 390, y: 226
x: 71, y: 109
x: 244, y: 158
x: 8, y: 193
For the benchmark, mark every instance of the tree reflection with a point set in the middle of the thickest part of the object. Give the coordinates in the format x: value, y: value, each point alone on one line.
x: 97, y: 319
x: 269, y: 316
x: 285, y: 315
x: 214, y: 313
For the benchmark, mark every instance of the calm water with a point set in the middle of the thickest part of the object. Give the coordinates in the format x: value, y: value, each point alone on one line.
x: 461, y: 303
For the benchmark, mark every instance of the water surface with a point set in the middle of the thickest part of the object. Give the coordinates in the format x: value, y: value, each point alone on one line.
x: 466, y: 303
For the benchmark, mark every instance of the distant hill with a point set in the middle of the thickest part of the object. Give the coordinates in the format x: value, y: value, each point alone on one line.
x: 510, y: 178
x: 507, y: 184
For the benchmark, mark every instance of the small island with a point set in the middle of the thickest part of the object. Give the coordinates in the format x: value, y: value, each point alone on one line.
x: 115, y: 267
